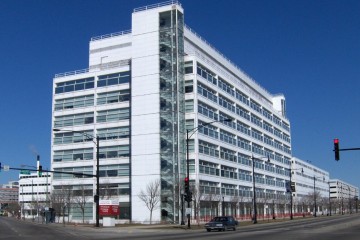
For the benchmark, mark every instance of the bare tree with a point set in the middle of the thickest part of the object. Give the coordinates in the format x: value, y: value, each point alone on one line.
x: 197, y: 196
x: 81, y: 198
x: 234, y: 203
x: 213, y: 200
x: 59, y: 198
x: 151, y: 197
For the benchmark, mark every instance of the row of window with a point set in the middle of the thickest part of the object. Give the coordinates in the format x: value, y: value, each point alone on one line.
x: 229, y: 155
x: 111, y: 115
x: 89, y: 83
x: 210, y: 168
x: 235, y: 140
x: 118, y: 170
x: 87, y: 153
x: 211, y: 112
x: 231, y: 90
x: 88, y: 100
x: 212, y: 190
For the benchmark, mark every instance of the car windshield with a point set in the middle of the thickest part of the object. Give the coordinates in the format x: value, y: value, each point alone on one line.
x: 219, y: 219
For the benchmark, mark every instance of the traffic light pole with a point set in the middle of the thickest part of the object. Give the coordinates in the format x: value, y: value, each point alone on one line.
x: 337, y: 149
x: 188, y: 192
x: 187, y: 172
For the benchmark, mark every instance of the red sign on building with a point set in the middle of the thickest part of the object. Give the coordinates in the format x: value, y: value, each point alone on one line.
x: 109, y: 210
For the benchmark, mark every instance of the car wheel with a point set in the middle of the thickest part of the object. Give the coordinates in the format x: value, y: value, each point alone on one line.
x: 234, y: 228
x: 209, y: 230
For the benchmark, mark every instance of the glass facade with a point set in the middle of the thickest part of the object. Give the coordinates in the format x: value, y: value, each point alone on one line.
x: 172, y: 110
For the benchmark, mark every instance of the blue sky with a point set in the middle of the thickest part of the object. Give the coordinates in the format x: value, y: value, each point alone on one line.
x: 308, y: 50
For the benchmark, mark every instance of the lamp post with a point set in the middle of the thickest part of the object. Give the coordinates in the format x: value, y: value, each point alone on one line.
x: 329, y: 199
x: 291, y: 194
x: 223, y: 206
x: 315, y: 194
x: 96, y: 197
x: 342, y: 200
x: 349, y: 200
x: 192, y: 131
x: 254, y: 192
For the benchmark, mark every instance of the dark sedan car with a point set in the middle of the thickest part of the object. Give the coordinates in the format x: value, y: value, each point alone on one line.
x: 221, y: 224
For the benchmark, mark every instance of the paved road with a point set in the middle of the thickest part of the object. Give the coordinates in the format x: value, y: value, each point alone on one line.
x: 346, y: 227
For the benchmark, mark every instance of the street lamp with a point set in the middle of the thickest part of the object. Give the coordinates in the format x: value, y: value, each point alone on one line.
x: 329, y: 199
x: 315, y: 194
x: 96, y: 197
x: 192, y: 131
x: 291, y: 195
x: 254, y: 192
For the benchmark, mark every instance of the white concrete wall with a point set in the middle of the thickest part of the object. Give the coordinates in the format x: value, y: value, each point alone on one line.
x: 145, y: 110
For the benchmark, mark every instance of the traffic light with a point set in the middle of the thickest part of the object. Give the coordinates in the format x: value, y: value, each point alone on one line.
x: 188, y: 197
x: 187, y: 185
x: 40, y: 171
x: 336, y: 149
x: 292, y: 186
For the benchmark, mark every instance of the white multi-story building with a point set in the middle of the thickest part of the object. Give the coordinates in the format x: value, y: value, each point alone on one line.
x: 144, y: 90
x: 311, y: 187
x: 34, y: 193
x: 344, y: 196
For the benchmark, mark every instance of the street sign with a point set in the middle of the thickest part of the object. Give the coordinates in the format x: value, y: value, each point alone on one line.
x: 6, y: 168
x: 188, y: 211
x: 25, y: 172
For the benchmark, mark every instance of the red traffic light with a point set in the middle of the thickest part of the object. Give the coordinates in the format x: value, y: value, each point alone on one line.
x: 186, y: 179
x: 336, y: 149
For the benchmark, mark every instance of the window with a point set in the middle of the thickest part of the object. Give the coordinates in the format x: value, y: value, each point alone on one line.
x: 208, y: 149
x: 242, y: 112
x: 77, y: 102
x: 189, y: 105
x: 257, y: 135
x: 207, y: 92
x: 256, y: 120
x: 74, y: 85
x: 227, y: 137
x: 226, y: 87
x: 189, y: 67
x: 244, y: 159
x: 208, y: 130
x: 113, y: 133
x: 228, y: 154
x: 114, y: 79
x: 206, y: 74
x: 255, y: 106
x: 226, y: 103
x: 73, y: 155
x: 242, y: 97
x: 72, y: 137
x: 244, y: 144
x: 85, y: 170
x: 207, y: 111
x: 113, y: 97
x: 189, y: 86
x: 74, y: 120
x: 113, y: 115
x: 241, y: 127
x: 208, y: 168
x: 114, y: 170
x: 114, y: 152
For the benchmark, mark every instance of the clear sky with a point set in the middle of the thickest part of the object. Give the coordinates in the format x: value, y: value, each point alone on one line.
x: 309, y: 50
